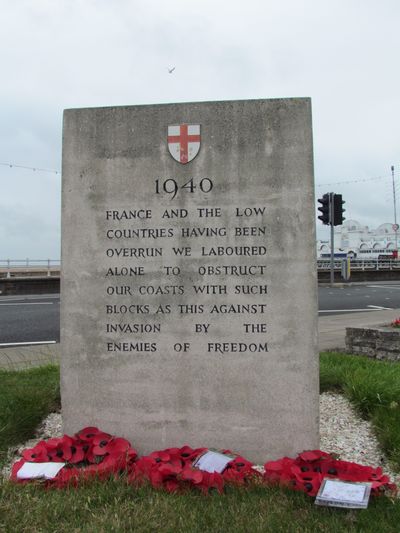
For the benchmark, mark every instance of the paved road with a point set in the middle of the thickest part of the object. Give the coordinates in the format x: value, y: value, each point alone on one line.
x: 30, y: 318
x: 37, y: 318
x: 359, y: 298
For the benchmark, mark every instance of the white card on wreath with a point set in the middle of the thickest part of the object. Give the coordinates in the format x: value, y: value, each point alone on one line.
x: 39, y: 470
x: 212, y: 462
x: 336, y: 493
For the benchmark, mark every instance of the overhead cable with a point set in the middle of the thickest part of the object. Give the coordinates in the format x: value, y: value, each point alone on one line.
x: 12, y: 165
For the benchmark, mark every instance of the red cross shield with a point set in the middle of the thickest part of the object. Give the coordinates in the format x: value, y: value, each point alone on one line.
x: 184, y: 142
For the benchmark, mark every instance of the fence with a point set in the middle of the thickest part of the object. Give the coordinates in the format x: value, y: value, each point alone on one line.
x: 361, y: 264
x: 29, y: 267
x: 39, y: 267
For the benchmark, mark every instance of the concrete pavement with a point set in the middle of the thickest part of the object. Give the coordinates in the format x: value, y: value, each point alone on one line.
x: 332, y: 331
x: 20, y: 357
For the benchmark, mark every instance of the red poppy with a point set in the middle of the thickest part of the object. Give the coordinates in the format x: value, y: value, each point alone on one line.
x: 279, y: 471
x: 164, y: 475
x: 173, y: 452
x: 38, y: 454
x: 313, y: 455
x: 170, y: 469
x: 140, y: 470
x: 77, y: 453
x: 102, y: 470
x: 240, y: 464
x: 160, y: 479
x: 307, y: 480
x: 234, y: 477
x: 119, y: 446
x: 109, y: 465
x: 195, y: 476
x: 185, y: 452
x: 212, y: 481
x: 59, y: 449
x: 100, y: 443
x: 188, y: 454
x: 161, y: 456
x: 88, y: 434
x: 67, y: 476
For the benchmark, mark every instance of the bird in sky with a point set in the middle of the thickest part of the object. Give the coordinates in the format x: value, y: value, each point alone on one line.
x: 171, y: 70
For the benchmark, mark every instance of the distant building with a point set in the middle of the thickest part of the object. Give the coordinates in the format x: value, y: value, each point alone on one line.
x: 360, y: 241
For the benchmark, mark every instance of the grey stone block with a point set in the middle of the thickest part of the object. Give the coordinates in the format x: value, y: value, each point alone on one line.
x: 380, y: 342
x: 250, y: 380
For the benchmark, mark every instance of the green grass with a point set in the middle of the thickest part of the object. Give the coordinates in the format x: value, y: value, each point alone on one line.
x: 25, y: 397
x: 115, y: 506
x: 374, y: 388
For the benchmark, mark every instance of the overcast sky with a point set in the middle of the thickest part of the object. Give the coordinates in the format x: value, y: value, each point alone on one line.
x: 57, y: 54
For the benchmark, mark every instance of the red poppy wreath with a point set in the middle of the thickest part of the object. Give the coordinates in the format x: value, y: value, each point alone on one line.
x: 307, y: 471
x: 90, y: 453
x: 172, y: 470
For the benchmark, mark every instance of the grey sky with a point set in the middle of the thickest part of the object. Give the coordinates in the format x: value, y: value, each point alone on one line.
x: 344, y: 54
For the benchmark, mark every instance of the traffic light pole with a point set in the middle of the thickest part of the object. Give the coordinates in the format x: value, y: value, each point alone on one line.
x: 331, y: 215
x: 332, y: 221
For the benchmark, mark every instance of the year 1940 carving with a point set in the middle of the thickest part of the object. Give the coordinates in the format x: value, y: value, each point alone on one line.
x: 171, y: 186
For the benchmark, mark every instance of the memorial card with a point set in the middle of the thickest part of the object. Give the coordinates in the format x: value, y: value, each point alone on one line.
x: 335, y: 493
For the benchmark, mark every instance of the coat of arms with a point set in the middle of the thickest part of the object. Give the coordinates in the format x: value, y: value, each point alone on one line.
x: 184, y: 142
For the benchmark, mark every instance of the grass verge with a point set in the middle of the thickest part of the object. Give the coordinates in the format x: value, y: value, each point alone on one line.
x: 26, y: 397
x: 374, y: 388
x: 116, y: 507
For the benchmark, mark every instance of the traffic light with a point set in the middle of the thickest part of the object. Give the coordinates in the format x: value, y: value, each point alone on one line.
x: 324, y: 208
x: 338, y: 210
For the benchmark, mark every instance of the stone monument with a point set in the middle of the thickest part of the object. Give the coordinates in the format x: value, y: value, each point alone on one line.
x: 189, y: 305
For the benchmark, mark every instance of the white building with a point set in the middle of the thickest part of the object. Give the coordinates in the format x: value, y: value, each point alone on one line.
x: 360, y: 241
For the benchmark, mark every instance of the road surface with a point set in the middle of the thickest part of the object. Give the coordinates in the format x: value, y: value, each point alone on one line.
x: 36, y: 318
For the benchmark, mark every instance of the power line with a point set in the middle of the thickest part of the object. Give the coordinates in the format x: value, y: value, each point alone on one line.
x: 345, y: 182
x: 13, y: 165
x: 358, y: 180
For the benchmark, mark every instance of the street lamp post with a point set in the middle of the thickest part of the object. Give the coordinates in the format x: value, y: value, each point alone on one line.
x: 395, y: 212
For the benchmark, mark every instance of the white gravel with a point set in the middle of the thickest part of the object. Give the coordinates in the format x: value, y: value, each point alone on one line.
x: 345, y: 433
x: 342, y: 432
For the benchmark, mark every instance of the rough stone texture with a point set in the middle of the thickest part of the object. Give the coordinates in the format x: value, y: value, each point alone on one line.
x: 379, y: 342
x: 258, y: 154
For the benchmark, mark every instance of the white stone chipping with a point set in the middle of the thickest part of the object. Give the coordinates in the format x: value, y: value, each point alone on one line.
x: 344, y: 432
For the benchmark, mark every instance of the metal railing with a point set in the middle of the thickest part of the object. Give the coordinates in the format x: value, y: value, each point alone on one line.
x: 13, y: 267
x: 361, y: 264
